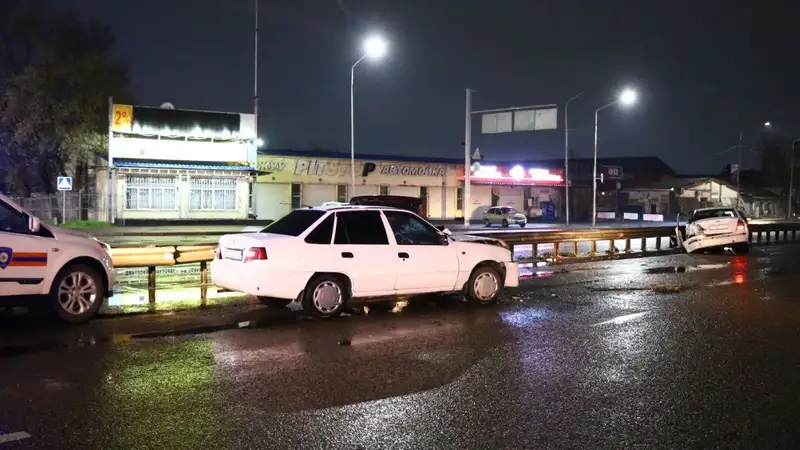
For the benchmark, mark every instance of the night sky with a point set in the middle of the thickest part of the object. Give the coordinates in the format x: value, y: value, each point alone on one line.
x: 704, y: 70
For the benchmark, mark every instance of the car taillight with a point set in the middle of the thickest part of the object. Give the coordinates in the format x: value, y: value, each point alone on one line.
x: 740, y: 225
x: 256, y: 254
x: 218, y: 251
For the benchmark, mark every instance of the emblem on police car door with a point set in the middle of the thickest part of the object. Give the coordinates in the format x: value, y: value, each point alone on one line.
x: 5, y: 257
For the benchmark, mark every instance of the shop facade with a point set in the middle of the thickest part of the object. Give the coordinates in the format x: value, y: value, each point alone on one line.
x: 293, y: 179
x: 533, y: 191
x: 173, y: 164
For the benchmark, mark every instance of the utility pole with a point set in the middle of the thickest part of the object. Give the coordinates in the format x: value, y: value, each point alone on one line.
x: 467, y: 157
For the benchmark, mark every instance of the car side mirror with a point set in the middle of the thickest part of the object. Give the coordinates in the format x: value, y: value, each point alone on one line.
x: 33, y: 224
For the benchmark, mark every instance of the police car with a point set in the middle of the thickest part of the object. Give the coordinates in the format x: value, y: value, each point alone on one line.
x: 71, y: 270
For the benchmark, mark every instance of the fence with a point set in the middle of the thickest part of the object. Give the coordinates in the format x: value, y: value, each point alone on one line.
x: 619, y: 241
x: 65, y: 206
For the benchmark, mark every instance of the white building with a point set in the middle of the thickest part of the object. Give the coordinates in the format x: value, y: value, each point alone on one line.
x: 291, y: 179
x: 178, y: 164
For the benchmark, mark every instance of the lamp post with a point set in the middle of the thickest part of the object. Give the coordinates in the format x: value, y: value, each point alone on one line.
x: 739, y: 161
x: 374, y: 48
x: 566, y: 153
x: 791, y: 177
x: 627, y: 98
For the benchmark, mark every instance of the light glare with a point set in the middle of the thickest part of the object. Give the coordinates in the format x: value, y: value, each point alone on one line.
x: 628, y: 97
x: 375, y: 47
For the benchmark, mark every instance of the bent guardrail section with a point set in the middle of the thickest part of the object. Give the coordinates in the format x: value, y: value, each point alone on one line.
x: 562, y: 244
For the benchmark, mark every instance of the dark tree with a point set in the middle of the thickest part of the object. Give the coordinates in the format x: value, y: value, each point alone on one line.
x: 54, y: 96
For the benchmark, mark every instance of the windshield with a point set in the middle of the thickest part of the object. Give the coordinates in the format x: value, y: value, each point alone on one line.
x: 713, y: 214
x: 294, y: 223
x: 508, y: 210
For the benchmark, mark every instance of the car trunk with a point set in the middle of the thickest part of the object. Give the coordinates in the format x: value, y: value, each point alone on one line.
x: 234, y: 246
x: 720, y: 225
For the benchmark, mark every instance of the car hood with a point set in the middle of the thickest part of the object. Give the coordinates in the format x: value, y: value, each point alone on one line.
x: 65, y: 234
x: 468, y: 239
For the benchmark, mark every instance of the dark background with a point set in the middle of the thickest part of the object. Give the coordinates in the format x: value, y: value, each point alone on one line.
x: 704, y: 69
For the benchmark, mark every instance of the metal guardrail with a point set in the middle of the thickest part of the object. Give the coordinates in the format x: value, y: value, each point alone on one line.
x: 170, y: 255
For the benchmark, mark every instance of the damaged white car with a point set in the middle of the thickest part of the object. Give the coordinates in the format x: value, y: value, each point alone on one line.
x: 715, y: 229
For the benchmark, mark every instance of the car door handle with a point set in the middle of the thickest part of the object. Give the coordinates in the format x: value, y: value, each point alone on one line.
x: 347, y: 255
x: 402, y: 255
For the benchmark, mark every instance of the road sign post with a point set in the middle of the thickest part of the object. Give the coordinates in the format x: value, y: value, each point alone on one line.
x: 64, y: 184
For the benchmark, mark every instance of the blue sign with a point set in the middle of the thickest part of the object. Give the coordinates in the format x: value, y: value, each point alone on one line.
x: 64, y: 183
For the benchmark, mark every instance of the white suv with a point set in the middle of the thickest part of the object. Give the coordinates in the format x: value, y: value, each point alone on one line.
x: 325, y: 257
x: 72, y: 270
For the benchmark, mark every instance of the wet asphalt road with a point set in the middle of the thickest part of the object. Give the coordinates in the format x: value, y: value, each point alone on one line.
x: 667, y: 352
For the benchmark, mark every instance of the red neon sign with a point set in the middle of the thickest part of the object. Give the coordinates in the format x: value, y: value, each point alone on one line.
x: 516, y: 174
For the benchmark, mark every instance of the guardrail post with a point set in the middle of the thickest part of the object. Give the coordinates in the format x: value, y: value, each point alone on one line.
x: 151, y: 286
x: 556, y: 249
x: 758, y: 237
x: 594, y: 247
x: 627, y: 245
x: 203, y: 283
x: 658, y: 244
x: 535, y: 250
x: 644, y: 245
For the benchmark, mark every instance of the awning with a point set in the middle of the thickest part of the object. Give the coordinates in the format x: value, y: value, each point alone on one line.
x: 184, y: 165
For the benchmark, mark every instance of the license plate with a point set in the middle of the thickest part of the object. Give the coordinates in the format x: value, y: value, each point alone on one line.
x: 234, y: 254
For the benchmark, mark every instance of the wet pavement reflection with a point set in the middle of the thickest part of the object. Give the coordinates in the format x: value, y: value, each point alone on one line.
x: 669, y: 352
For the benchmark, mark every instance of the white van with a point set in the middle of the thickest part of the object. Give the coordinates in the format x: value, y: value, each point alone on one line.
x: 72, y: 270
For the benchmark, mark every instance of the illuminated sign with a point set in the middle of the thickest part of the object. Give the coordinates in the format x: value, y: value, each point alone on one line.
x: 516, y: 174
x: 423, y: 170
x: 122, y: 118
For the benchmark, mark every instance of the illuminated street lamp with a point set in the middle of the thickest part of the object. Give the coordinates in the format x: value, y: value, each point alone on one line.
x: 375, y: 47
x: 627, y: 97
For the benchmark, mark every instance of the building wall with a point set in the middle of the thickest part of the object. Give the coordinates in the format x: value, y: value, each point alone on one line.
x: 650, y: 199
x: 711, y: 192
x: 397, y: 178
x: 182, y: 186
x: 179, y: 150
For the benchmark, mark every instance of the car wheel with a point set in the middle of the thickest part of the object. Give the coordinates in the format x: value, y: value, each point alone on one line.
x: 487, y: 223
x: 505, y: 223
x: 325, y: 296
x: 77, y: 293
x: 484, y: 286
x: 271, y: 302
x: 522, y: 225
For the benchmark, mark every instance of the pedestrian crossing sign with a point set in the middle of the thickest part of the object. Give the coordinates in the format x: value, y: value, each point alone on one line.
x: 64, y: 183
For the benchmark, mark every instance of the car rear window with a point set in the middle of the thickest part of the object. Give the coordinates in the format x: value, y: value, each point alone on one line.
x: 509, y: 211
x: 714, y: 213
x: 294, y: 223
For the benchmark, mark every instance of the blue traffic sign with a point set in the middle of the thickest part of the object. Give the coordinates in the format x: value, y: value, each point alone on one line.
x: 64, y: 183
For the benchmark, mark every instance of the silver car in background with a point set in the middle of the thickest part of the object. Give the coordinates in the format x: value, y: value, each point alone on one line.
x: 505, y: 216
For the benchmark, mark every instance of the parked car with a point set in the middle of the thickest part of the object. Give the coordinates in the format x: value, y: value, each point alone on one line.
x: 504, y: 215
x: 71, y: 270
x: 326, y: 257
x: 715, y: 228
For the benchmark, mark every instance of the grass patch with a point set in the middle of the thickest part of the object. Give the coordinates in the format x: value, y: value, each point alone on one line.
x: 82, y: 224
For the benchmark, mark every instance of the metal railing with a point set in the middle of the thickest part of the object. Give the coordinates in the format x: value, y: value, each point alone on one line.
x: 170, y: 255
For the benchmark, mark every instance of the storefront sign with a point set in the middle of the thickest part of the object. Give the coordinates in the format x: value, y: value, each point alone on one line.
x: 320, y: 168
x: 275, y: 165
x: 516, y: 174
x: 414, y: 170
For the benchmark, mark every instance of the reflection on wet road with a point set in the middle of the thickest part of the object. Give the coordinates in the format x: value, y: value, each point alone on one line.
x: 669, y: 352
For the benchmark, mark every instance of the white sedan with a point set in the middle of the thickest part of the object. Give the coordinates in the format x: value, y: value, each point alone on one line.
x: 324, y: 257
x: 715, y: 228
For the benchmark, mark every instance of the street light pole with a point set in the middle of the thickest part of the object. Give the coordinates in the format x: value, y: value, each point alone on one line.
x: 739, y: 169
x: 353, y: 128
x: 255, y: 69
x: 566, y: 154
x: 791, y: 177
x: 467, y: 157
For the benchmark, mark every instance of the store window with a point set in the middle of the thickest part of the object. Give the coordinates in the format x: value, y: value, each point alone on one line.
x: 341, y: 193
x: 296, y: 193
x: 384, y: 189
x: 212, y: 194
x: 460, y: 198
x: 151, y: 193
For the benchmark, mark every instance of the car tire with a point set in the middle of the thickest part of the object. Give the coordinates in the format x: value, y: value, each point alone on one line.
x: 484, y: 286
x: 522, y: 225
x: 487, y: 223
x: 505, y: 223
x: 77, y: 293
x: 325, y: 296
x: 272, y: 302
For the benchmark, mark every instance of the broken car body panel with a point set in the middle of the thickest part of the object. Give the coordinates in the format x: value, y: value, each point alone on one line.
x: 711, y: 228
